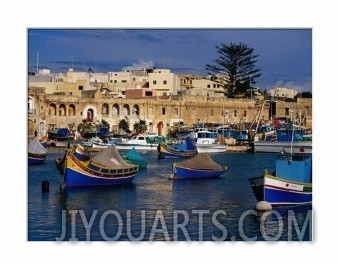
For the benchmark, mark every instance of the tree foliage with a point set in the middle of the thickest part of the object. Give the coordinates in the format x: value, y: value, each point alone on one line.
x: 234, y: 69
x: 140, y: 127
x: 124, y: 125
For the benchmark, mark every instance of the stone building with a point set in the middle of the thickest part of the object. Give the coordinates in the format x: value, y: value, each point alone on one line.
x: 48, y: 111
x: 159, y: 97
x: 282, y: 93
x: 164, y: 82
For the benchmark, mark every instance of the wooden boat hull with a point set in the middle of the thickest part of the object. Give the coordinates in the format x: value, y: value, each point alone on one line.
x: 282, y: 192
x: 291, y: 184
x: 165, y: 151
x: 188, y: 173
x: 129, y: 146
x: 36, y: 158
x: 211, y: 148
x: 37, y: 153
x: 76, y: 173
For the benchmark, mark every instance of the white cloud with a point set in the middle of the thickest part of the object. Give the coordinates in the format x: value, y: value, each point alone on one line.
x: 140, y: 65
x: 300, y: 87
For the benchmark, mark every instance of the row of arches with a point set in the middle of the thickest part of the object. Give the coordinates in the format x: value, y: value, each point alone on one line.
x: 114, y: 110
x: 61, y: 110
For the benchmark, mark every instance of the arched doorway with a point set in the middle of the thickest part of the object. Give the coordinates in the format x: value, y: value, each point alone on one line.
x: 160, y: 125
x: 90, y: 115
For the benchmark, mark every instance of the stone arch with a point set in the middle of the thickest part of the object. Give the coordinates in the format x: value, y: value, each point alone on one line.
x: 71, y: 110
x: 90, y: 112
x: 105, y: 109
x: 52, y: 109
x: 30, y: 105
x: 136, y: 110
x: 116, y: 110
x: 126, y: 110
x: 62, y: 110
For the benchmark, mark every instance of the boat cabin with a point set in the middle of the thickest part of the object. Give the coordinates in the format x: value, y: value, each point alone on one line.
x: 206, y: 137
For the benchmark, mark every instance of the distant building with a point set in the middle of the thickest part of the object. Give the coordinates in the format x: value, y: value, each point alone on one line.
x: 282, y: 92
x: 164, y: 82
x: 141, y: 93
x: 206, y: 88
x: 119, y: 82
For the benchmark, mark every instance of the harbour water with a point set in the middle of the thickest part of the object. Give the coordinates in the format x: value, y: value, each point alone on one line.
x: 155, y: 207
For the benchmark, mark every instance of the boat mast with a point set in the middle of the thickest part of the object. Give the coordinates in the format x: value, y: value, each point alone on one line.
x: 257, y: 118
x: 292, y: 139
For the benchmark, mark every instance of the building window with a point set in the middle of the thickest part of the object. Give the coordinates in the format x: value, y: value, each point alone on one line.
x: 148, y: 93
x: 163, y: 111
x: 81, y: 87
x: 208, y: 86
x: 176, y: 111
x: 165, y: 82
x: 124, y: 81
x: 212, y: 112
x: 245, y: 114
x: 235, y: 113
x: 154, y: 82
x: 115, y: 81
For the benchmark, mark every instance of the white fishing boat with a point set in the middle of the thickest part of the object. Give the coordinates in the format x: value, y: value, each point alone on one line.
x: 141, y: 142
x: 207, y: 142
x: 277, y: 147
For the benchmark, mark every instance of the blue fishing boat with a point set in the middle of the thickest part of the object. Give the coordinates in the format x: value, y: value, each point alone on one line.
x: 187, y: 149
x: 132, y: 156
x: 61, y: 134
x: 289, y: 184
x: 101, y: 132
x: 270, y: 139
x: 37, y: 153
x: 199, y: 166
x: 105, y: 168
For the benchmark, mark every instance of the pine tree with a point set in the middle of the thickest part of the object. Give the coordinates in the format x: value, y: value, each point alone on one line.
x: 235, y: 68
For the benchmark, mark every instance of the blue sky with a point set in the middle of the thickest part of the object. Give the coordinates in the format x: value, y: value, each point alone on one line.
x: 285, y: 55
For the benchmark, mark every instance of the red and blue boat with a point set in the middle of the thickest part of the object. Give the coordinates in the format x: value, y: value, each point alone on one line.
x: 37, y: 153
x: 199, y: 166
x: 289, y: 184
x: 79, y: 169
x: 187, y: 149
